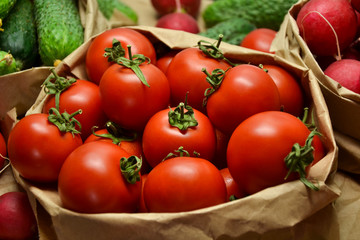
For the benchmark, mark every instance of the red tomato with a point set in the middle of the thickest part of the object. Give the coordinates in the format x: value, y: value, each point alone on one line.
x: 142, y: 207
x: 233, y: 190
x: 160, y: 138
x: 127, y: 101
x: 184, y: 184
x: 220, y: 152
x: 82, y: 95
x: 259, y: 145
x: 3, y: 151
x: 291, y: 94
x: 37, y: 149
x: 164, y: 61
x: 259, y: 39
x: 96, y: 63
x: 91, y: 180
x: 185, y: 76
x: 245, y: 90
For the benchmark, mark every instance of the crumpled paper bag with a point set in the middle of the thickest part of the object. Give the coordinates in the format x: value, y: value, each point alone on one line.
x: 274, y: 213
x: 343, y: 104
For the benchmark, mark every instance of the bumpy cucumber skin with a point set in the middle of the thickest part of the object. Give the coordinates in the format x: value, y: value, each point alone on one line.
x: 19, y: 36
x: 107, y: 9
x: 262, y: 13
x: 234, y: 30
x: 7, y: 67
x: 59, y: 29
x: 5, y: 7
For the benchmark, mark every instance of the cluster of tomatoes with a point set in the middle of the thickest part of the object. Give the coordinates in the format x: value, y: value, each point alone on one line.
x: 145, y: 133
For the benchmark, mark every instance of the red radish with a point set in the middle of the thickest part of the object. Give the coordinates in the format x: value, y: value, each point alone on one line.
x: 17, y: 220
x: 327, y: 26
x: 163, y: 7
x: 346, y: 72
x: 178, y: 21
x: 356, y: 4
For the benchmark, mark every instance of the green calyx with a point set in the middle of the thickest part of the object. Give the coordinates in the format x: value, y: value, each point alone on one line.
x: 65, y: 121
x: 181, y: 119
x: 116, y: 133
x: 213, y: 51
x: 300, y: 157
x: 134, y: 63
x: 115, y: 52
x: 181, y: 152
x: 130, y: 168
x: 214, y: 79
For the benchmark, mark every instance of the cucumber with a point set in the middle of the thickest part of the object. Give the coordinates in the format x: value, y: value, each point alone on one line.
x: 7, y: 63
x: 5, y: 7
x: 262, y: 13
x: 234, y: 30
x: 19, y: 37
x: 59, y: 29
x: 107, y: 8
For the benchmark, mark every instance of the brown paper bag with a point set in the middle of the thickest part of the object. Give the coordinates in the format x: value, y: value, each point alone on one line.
x: 274, y: 213
x: 343, y: 104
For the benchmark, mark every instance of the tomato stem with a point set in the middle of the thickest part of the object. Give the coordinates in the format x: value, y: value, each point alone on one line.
x: 214, y: 79
x: 181, y: 119
x: 130, y: 168
x: 213, y: 51
x: 115, y: 133
x: 115, y: 52
x: 64, y: 121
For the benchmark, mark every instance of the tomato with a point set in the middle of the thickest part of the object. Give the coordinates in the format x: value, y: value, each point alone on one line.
x: 259, y: 39
x: 244, y: 91
x: 232, y: 188
x: 183, y: 184
x: 96, y: 63
x: 82, y: 95
x: 127, y: 101
x: 142, y: 206
x: 220, y: 151
x: 291, y: 93
x: 3, y: 151
x: 164, y: 61
x: 91, y: 180
x: 37, y: 149
x: 185, y: 76
x: 161, y: 138
x: 259, y: 145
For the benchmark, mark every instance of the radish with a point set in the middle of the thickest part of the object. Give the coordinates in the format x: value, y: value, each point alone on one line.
x: 346, y: 72
x: 163, y: 7
x: 356, y: 4
x: 327, y: 26
x: 178, y: 21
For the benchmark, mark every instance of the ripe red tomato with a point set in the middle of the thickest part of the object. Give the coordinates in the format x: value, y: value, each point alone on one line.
x: 185, y: 76
x: 3, y: 150
x: 164, y: 61
x: 259, y: 145
x: 160, y: 138
x: 233, y: 190
x: 37, y: 149
x: 91, y: 180
x: 245, y: 90
x: 142, y: 206
x: 96, y: 63
x: 259, y: 39
x: 127, y: 101
x: 291, y: 94
x: 184, y: 184
x: 82, y: 95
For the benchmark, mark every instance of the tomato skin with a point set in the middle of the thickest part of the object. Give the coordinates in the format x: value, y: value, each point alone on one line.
x: 185, y: 76
x: 258, y: 146
x: 90, y: 180
x: 291, y: 94
x: 259, y: 39
x: 96, y: 63
x: 37, y: 149
x: 3, y: 150
x: 82, y: 95
x: 142, y: 206
x: 232, y: 188
x: 184, y: 184
x: 160, y: 138
x: 127, y: 101
x: 245, y: 90
x: 163, y: 62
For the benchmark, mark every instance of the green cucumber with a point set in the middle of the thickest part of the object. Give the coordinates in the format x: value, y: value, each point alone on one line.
x: 262, y: 13
x: 59, y: 29
x: 7, y: 63
x: 19, y: 35
x: 233, y: 30
x: 107, y: 8
x: 5, y: 7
